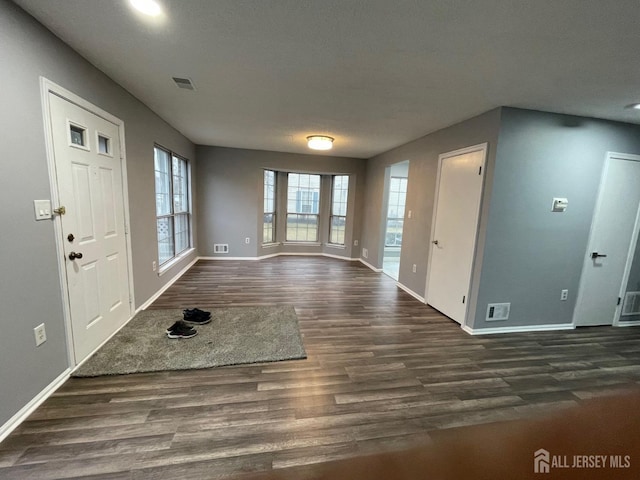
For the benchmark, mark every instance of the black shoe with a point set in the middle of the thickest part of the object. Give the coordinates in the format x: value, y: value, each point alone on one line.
x: 197, y: 316
x: 181, y: 330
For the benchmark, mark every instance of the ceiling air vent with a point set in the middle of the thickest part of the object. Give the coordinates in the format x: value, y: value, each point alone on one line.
x: 184, y: 83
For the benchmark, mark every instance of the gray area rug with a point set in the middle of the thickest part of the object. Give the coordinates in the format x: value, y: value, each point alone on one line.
x: 236, y: 335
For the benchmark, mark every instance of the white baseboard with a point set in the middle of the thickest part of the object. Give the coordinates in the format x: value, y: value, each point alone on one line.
x: 633, y: 323
x: 155, y: 296
x: 367, y: 264
x: 519, y: 329
x: 30, y: 407
x: 290, y: 254
x: 411, y: 292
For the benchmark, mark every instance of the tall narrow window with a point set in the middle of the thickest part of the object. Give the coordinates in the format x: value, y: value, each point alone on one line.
x: 395, y: 212
x: 269, y: 219
x: 172, y: 204
x: 303, y: 207
x: 338, y: 221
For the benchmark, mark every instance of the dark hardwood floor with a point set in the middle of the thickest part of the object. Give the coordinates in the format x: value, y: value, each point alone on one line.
x: 383, y: 370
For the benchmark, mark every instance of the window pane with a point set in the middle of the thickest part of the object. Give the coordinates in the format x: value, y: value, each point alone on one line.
x: 180, y: 186
x: 302, y: 228
x: 339, y: 197
x: 269, y: 225
x: 337, y: 230
x: 181, y: 232
x: 303, y: 193
x: 269, y: 191
x: 268, y: 228
x: 163, y: 176
x: 165, y: 239
x: 394, y: 233
x: 395, y: 211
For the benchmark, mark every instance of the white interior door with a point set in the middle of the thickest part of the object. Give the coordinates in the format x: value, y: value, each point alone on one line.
x: 612, y: 230
x: 90, y: 186
x: 454, y: 234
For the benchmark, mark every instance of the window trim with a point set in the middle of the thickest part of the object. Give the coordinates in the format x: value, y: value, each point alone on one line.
x: 177, y: 256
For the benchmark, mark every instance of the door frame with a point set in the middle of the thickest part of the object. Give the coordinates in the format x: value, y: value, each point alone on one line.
x: 481, y: 147
x: 610, y: 157
x: 48, y: 87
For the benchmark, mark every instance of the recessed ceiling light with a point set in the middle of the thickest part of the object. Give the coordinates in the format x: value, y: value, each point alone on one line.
x: 148, y: 7
x: 320, y: 142
x: 634, y: 106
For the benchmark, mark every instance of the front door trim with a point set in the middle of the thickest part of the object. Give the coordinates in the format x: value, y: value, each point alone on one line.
x: 48, y: 87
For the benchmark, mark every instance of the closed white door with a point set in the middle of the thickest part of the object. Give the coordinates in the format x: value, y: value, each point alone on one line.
x: 612, y: 229
x: 90, y: 187
x: 455, y: 227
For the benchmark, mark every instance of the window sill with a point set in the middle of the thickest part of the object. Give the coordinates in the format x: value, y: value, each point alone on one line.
x: 303, y: 244
x: 271, y: 245
x: 167, y: 266
x: 335, y: 245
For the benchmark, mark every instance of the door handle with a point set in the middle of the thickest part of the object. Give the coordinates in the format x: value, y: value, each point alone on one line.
x: 74, y: 255
x: 595, y: 255
x: 435, y: 242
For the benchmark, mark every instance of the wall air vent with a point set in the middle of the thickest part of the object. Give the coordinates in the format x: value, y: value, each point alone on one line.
x: 184, y: 83
x: 631, y: 305
x: 220, y: 248
x: 498, y: 311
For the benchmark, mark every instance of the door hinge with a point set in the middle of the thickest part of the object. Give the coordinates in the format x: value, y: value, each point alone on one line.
x: 619, y: 300
x: 480, y: 170
x: 464, y: 298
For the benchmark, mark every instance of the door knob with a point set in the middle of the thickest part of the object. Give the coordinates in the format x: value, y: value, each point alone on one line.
x: 74, y: 255
x: 595, y: 255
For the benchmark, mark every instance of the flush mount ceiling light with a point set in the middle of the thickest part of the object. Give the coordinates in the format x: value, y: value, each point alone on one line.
x: 633, y: 106
x: 148, y: 7
x: 319, y: 142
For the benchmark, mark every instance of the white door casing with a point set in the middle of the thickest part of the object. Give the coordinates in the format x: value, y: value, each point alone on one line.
x: 614, y: 225
x: 89, y: 182
x: 454, y: 232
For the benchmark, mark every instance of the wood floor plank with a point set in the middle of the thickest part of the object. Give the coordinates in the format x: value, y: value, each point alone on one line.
x: 383, y: 372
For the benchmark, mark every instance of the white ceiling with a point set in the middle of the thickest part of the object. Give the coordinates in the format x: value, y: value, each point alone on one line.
x: 374, y: 74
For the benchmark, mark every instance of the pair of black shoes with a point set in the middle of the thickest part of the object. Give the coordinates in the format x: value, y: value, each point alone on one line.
x: 182, y: 329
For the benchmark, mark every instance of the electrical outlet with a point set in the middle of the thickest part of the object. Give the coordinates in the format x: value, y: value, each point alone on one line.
x: 415, y: 267
x: 40, y: 334
x: 564, y: 294
x: 247, y: 240
x: 365, y: 253
x: 154, y: 265
x: 355, y: 243
x: 410, y: 214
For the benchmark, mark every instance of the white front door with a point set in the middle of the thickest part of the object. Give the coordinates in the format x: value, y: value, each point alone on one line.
x: 609, y: 245
x: 88, y: 168
x: 457, y: 210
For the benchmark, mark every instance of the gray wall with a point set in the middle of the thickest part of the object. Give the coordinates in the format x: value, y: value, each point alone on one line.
x: 30, y: 288
x: 230, y: 198
x: 531, y: 254
x: 423, y: 157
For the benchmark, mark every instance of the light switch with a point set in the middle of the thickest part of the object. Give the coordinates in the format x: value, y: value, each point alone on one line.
x: 559, y: 204
x: 42, y: 209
